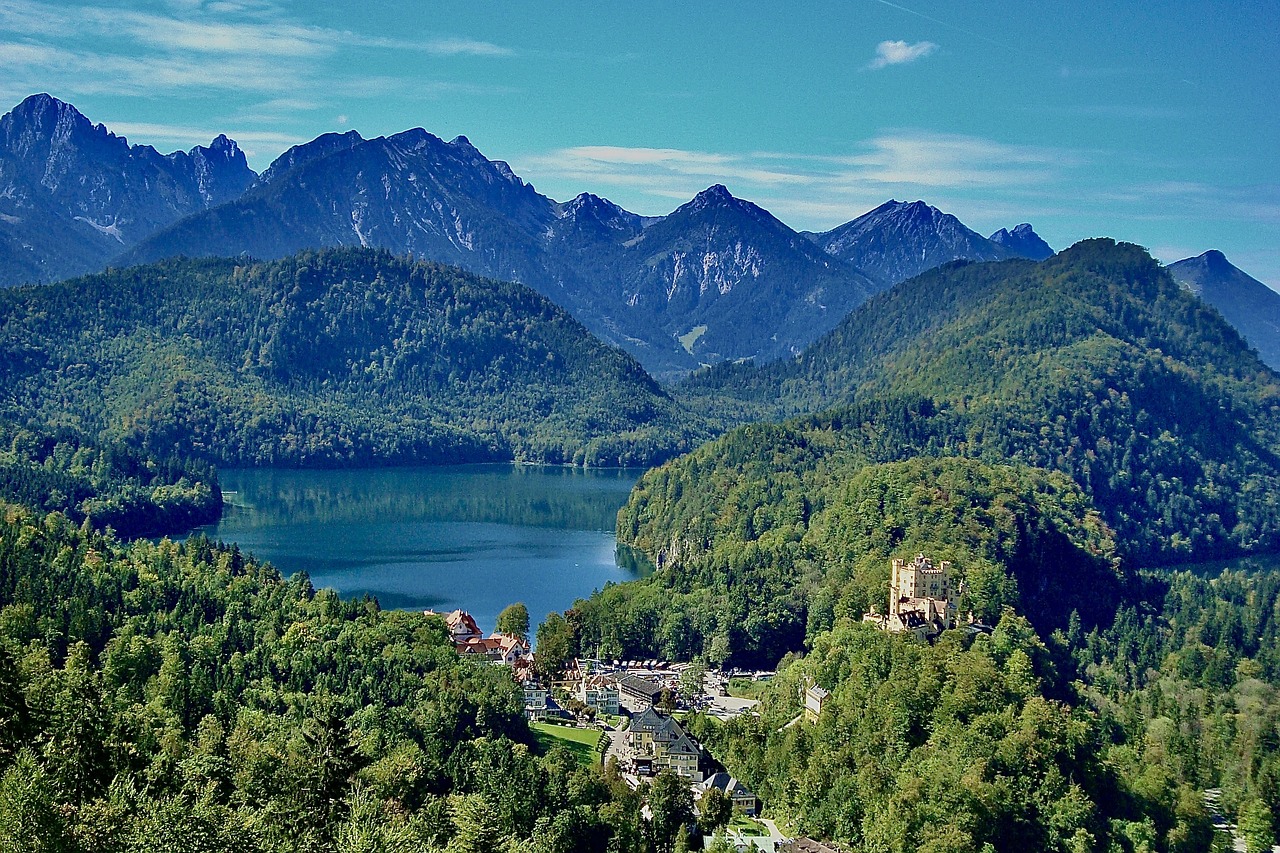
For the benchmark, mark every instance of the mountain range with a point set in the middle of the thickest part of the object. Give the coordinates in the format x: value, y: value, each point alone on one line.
x: 718, y: 279
x: 73, y: 195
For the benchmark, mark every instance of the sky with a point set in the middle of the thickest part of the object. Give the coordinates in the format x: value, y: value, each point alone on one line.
x: 1156, y: 123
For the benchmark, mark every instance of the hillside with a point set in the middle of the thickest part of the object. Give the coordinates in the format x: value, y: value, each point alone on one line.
x: 184, y: 696
x: 730, y: 281
x: 1094, y: 363
x: 1246, y: 303
x: 327, y: 358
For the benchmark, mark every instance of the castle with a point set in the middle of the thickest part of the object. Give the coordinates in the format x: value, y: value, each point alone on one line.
x: 923, y: 599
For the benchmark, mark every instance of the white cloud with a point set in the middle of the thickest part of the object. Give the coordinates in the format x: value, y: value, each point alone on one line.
x: 192, y: 47
x: 899, y: 52
x: 162, y: 136
x: 465, y: 47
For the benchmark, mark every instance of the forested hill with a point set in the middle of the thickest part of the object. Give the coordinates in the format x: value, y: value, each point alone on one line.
x: 1093, y: 363
x: 107, y: 484
x: 160, y: 697
x: 327, y: 358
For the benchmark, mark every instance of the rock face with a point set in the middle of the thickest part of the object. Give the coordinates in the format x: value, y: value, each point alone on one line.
x: 1023, y: 242
x: 731, y: 281
x: 1246, y: 303
x: 899, y: 240
x: 73, y: 194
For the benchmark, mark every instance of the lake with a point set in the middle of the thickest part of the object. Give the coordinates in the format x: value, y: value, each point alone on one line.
x: 476, y: 537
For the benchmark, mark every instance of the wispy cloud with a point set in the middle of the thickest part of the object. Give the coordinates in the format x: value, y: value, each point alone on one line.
x: 190, y: 47
x: 465, y: 47
x: 899, y: 53
x: 167, y: 136
x: 904, y: 163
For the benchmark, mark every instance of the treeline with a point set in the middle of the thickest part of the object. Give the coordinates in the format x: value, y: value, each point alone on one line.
x: 160, y: 696
x: 965, y: 745
x: 329, y: 358
x: 110, y: 485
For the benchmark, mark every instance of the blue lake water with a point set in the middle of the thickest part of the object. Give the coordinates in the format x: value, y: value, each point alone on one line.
x: 477, y: 537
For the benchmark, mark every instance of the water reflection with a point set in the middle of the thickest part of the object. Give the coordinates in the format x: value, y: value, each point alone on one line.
x: 476, y: 537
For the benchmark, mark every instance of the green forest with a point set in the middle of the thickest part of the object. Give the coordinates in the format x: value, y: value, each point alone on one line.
x: 161, y: 697
x: 110, y: 485
x: 339, y: 357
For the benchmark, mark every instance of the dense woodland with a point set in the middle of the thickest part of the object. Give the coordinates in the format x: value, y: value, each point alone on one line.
x: 1094, y: 363
x: 163, y: 697
x: 110, y: 484
x: 339, y: 357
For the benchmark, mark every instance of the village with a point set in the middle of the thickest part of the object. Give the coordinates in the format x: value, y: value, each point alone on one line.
x: 630, y: 712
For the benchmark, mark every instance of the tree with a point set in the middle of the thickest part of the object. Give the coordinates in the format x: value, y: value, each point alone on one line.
x: 715, y: 810
x: 1256, y: 826
x: 554, y: 648
x: 720, y: 844
x: 671, y: 804
x: 514, y: 620
x: 29, y: 817
x: 691, y: 680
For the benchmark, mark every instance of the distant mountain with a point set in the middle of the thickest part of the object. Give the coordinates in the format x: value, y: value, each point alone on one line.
x: 731, y: 281
x: 899, y: 240
x: 717, y: 279
x: 337, y: 357
x: 73, y: 194
x: 1246, y: 303
x: 300, y: 155
x: 1022, y: 242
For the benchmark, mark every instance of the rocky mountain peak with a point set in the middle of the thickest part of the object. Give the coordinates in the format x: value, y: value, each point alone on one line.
x: 1023, y: 242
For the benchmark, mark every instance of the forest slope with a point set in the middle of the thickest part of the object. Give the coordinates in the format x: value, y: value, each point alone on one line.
x: 1094, y: 363
x: 327, y: 358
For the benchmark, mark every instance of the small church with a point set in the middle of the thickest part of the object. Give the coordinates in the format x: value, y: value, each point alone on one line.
x: 923, y: 599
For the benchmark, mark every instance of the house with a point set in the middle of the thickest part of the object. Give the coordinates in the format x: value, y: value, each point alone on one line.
x: 743, y: 800
x: 460, y: 624
x: 658, y: 741
x: 815, y: 699
x: 535, y: 699
x: 499, y: 648
x: 923, y: 599
x: 599, y: 692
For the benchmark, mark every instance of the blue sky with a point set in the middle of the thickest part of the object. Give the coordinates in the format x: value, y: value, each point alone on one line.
x: 1157, y: 123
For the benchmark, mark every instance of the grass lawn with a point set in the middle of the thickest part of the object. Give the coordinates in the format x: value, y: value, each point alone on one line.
x: 746, y: 826
x: 745, y: 688
x: 581, y: 742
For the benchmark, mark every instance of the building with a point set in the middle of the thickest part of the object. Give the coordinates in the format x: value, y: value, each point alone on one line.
x: 599, y: 692
x: 642, y: 692
x: 923, y: 599
x: 499, y: 648
x: 659, y: 742
x: 808, y: 845
x: 743, y: 800
x: 815, y: 699
x: 460, y: 624
x: 535, y: 699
